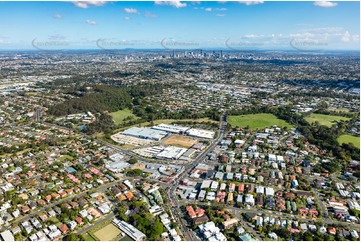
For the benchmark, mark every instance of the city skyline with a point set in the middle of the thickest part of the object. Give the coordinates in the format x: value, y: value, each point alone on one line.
x: 247, y: 25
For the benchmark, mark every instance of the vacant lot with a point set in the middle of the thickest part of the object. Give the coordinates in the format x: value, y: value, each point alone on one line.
x: 108, y: 232
x: 180, y: 141
x: 120, y: 115
x: 346, y: 138
x: 257, y: 121
x: 324, y: 119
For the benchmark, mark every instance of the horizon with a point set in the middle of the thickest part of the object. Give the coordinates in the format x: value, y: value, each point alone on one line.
x: 178, y: 50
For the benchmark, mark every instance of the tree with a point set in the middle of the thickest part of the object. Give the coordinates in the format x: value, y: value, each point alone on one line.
x: 174, y: 225
x: 132, y: 160
x: 121, y: 212
x: 355, y: 212
x: 134, y: 172
x: 283, y: 233
x: 308, y: 236
x: 71, y: 237
x: 157, y: 230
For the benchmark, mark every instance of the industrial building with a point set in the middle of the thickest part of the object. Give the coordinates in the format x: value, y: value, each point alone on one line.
x: 129, y: 229
x: 171, y: 152
x: 145, y: 133
x: 200, y: 133
x: 176, y: 129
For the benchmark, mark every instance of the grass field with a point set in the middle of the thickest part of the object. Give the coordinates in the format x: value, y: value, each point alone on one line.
x: 120, y: 115
x: 181, y: 141
x: 64, y: 157
x: 126, y: 238
x: 31, y: 93
x: 88, y: 237
x: 257, y: 121
x: 55, y: 221
x: 346, y: 138
x: 108, y: 232
x: 324, y: 119
x: 341, y: 110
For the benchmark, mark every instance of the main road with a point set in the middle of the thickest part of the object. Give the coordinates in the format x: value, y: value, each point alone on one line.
x: 171, y: 192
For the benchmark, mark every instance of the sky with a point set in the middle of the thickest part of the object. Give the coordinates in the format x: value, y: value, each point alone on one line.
x: 180, y: 25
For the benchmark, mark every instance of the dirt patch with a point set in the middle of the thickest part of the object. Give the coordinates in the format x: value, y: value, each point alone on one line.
x: 180, y: 141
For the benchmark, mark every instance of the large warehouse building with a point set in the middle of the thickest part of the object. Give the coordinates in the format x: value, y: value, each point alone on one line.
x: 171, y: 128
x: 201, y: 133
x: 145, y: 133
x: 171, y: 152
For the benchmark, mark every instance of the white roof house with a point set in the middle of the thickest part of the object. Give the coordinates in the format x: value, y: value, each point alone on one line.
x: 211, y: 232
x: 259, y: 221
x: 7, y: 236
x: 223, y: 186
x: 206, y: 184
x: 202, y: 195
x: 271, y: 157
x: 260, y: 190
x: 270, y: 191
x: 303, y: 227
x: 214, y: 185
x: 211, y: 196
x: 249, y: 199
x: 279, y: 158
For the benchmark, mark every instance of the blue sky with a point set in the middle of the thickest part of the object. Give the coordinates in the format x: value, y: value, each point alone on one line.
x: 188, y: 25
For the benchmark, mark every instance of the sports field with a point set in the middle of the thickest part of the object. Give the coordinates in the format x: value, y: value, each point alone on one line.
x: 346, y: 138
x: 257, y: 121
x: 108, y: 232
x: 120, y: 115
x: 180, y: 141
x: 324, y: 119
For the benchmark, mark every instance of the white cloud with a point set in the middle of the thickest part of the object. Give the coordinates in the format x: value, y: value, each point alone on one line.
x: 126, y: 18
x: 208, y: 9
x: 57, y: 37
x: 220, y: 15
x: 176, y: 3
x: 150, y: 15
x: 57, y: 16
x: 256, y: 36
x: 4, y: 40
x: 131, y: 10
x: 248, y: 3
x: 221, y: 9
x: 325, y: 4
x: 87, y: 4
x: 330, y: 30
x: 346, y: 37
x: 91, y: 22
x: 356, y: 37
